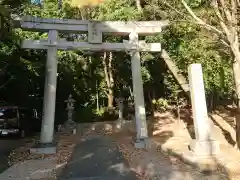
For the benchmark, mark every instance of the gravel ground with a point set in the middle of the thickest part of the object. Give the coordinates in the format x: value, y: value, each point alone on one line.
x: 153, y: 164
x: 47, y: 166
x: 148, y: 164
x: 6, y: 146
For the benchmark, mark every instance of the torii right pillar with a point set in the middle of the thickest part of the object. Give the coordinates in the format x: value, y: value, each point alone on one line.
x: 140, y: 113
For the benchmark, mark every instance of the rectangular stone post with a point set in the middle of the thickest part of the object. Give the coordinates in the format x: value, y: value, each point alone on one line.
x: 140, y: 114
x: 120, y: 111
x: 120, y: 102
x: 203, y: 145
x: 49, y: 91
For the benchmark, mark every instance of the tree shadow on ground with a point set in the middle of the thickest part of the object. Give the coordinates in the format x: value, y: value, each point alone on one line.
x: 155, y: 124
x: 99, y: 156
x: 226, y: 134
x: 228, y: 114
x: 209, y: 169
x: 205, y: 169
x: 155, y: 163
x: 186, y: 117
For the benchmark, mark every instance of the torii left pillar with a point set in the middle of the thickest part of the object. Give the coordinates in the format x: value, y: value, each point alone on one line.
x: 46, y: 145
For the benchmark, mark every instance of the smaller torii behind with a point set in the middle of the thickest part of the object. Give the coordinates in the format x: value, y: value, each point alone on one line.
x: 95, y: 30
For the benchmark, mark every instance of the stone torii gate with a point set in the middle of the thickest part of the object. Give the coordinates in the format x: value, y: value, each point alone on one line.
x: 95, y: 30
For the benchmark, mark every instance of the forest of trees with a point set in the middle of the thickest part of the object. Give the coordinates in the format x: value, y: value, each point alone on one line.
x: 200, y: 31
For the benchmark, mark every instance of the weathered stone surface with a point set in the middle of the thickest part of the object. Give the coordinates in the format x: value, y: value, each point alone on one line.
x: 85, y: 46
x: 47, y: 130
x: 202, y: 124
x: 68, y: 25
x: 140, y: 112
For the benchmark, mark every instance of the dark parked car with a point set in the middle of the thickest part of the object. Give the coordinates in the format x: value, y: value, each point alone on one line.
x: 18, y: 121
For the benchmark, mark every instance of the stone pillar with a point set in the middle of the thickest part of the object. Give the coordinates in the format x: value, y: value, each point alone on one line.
x: 140, y: 114
x: 203, y: 145
x: 120, y: 102
x: 120, y: 105
x: 50, y: 91
x: 70, y: 125
x: 70, y: 108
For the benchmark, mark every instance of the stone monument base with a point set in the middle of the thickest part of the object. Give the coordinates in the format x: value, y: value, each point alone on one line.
x: 44, y: 148
x: 71, y: 127
x: 119, y: 123
x: 142, y: 143
x: 204, y: 148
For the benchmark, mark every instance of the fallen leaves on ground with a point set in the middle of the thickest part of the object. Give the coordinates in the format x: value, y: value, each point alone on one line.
x: 65, y: 146
x: 154, y: 164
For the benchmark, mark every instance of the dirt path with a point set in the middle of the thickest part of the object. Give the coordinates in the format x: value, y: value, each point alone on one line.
x: 104, y: 149
x: 152, y: 164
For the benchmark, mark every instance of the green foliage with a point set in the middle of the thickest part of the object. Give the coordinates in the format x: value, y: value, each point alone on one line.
x: 82, y: 74
x: 100, y: 112
x: 189, y: 45
x: 161, y: 104
x: 118, y: 10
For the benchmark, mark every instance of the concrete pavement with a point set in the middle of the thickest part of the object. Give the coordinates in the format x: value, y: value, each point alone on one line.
x: 97, y: 157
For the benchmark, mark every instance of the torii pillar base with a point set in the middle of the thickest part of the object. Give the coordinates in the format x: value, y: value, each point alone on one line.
x: 48, y: 148
x: 142, y: 143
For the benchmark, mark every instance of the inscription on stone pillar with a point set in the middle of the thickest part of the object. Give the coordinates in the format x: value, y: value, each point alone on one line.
x: 94, y: 33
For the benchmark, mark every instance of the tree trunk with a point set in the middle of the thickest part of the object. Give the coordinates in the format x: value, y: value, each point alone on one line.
x: 150, y: 101
x: 236, y: 73
x: 109, y: 78
x: 110, y: 98
x: 97, y: 96
x: 110, y: 72
x: 138, y: 4
x: 59, y: 4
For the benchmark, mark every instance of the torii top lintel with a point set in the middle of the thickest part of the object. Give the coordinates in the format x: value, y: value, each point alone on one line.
x: 72, y: 25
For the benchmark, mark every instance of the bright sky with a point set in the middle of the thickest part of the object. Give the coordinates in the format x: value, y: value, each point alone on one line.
x: 81, y: 3
x: 77, y: 3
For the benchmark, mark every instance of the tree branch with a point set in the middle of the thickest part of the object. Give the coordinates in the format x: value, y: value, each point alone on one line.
x: 238, y: 2
x: 226, y: 11
x: 173, y: 8
x: 2, y: 86
x: 200, y: 21
x: 234, y: 22
x: 3, y: 69
x: 219, y: 16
